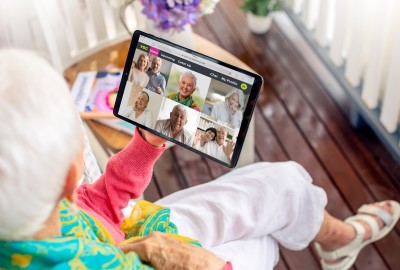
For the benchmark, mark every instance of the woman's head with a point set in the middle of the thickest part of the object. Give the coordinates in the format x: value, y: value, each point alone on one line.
x: 234, y: 99
x: 210, y: 134
x: 187, y: 84
x: 142, y: 63
x: 37, y: 145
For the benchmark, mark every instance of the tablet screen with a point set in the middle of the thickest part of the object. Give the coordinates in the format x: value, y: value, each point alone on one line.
x: 188, y: 98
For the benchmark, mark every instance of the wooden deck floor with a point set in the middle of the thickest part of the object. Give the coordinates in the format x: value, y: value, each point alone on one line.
x: 295, y: 120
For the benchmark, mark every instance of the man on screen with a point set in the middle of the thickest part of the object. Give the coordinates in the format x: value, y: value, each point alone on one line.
x: 139, y: 112
x: 187, y: 85
x: 174, y: 127
x: 157, y: 81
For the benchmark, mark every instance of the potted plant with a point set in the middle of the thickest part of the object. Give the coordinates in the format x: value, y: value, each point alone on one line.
x: 259, y: 14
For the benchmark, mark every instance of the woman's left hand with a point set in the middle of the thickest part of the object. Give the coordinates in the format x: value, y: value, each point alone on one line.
x: 151, y: 138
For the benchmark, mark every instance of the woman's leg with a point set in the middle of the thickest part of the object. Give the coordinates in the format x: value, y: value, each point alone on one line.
x: 335, y: 233
x: 256, y: 253
x: 276, y: 199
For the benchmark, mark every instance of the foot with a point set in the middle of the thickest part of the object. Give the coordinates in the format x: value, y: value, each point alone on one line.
x: 349, y: 232
x: 341, y: 241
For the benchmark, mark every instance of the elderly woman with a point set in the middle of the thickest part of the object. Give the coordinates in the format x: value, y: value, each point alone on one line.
x: 228, y: 111
x: 138, y: 77
x: 46, y: 221
x: 187, y: 85
x: 200, y: 140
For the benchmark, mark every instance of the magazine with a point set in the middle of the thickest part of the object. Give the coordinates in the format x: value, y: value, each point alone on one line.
x: 95, y: 93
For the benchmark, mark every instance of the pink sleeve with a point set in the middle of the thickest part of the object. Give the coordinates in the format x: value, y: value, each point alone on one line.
x: 127, y: 175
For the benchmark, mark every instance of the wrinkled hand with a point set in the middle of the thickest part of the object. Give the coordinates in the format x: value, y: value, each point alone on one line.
x: 164, y: 252
x: 228, y: 149
x: 196, y: 138
x: 151, y: 138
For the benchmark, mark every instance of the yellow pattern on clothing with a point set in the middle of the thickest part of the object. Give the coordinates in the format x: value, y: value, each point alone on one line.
x: 85, y: 243
x: 21, y: 260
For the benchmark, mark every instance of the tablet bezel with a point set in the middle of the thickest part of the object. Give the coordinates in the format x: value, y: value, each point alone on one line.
x: 247, y: 113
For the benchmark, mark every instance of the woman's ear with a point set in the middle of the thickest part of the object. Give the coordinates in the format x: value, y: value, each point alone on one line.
x: 74, y: 173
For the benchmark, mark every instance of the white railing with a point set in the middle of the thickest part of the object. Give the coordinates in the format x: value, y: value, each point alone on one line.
x: 64, y: 31
x: 362, y: 38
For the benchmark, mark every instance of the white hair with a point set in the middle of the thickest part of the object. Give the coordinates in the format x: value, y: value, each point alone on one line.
x: 179, y: 107
x: 39, y: 138
x: 240, y: 96
x: 190, y: 75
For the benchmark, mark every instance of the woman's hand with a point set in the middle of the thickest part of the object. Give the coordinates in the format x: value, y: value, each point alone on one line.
x: 151, y: 138
x: 164, y: 252
x: 228, y: 149
x: 196, y: 138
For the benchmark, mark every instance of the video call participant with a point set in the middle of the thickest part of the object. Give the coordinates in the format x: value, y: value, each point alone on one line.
x: 139, y: 112
x: 200, y: 141
x: 228, y: 111
x: 174, y: 127
x: 187, y: 85
x: 157, y: 81
x: 138, y: 73
x: 138, y: 77
x: 220, y: 149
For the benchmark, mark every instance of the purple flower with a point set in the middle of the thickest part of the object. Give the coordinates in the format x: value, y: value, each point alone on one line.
x: 172, y: 14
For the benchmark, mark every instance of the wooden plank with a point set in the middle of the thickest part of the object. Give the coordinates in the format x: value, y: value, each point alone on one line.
x: 152, y: 193
x: 216, y: 169
x: 167, y: 174
x: 202, y: 29
x: 268, y: 146
x: 192, y: 166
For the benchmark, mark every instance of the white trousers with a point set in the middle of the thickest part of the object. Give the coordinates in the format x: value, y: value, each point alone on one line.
x: 243, y: 215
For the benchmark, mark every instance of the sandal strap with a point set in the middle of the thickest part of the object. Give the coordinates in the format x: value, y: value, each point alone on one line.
x: 376, y: 211
x: 372, y: 222
x: 344, y: 251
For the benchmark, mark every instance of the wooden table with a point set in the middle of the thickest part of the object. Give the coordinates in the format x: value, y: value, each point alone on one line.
x: 116, y: 55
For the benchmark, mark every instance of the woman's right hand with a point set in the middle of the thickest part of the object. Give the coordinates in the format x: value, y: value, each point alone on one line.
x: 165, y: 252
x: 196, y: 138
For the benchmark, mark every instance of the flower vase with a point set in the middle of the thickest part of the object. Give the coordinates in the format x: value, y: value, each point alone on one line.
x: 259, y: 24
x: 183, y: 38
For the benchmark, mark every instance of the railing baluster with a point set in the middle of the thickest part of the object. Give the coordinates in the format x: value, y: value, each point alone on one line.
x: 358, y: 48
x: 377, y: 59
x: 324, y: 22
x: 340, y: 32
x: 391, y: 101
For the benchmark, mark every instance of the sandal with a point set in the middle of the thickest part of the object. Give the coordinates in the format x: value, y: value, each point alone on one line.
x: 347, y: 254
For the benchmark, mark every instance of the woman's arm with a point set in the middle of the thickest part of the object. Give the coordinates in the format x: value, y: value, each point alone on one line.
x: 126, y: 177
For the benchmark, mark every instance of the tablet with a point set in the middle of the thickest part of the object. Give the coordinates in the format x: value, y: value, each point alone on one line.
x: 188, y: 98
